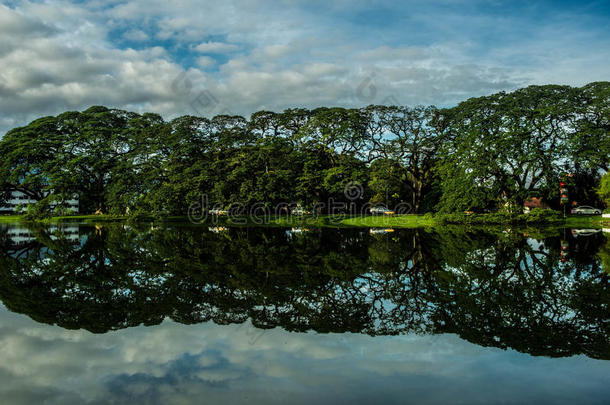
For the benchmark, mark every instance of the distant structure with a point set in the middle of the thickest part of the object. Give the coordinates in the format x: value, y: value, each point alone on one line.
x: 19, y: 199
x: 534, y: 202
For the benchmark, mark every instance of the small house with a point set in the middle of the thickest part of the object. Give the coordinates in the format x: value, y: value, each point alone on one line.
x: 534, y: 202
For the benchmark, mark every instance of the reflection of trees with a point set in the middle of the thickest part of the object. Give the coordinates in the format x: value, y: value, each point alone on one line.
x: 604, y: 256
x: 516, y: 294
x: 494, y: 290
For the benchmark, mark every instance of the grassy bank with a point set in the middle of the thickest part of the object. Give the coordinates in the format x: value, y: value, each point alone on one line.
x: 334, y: 221
x: 584, y: 222
x: 319, y: 221
x: 400, y: 221
x: 9, y: 218
x: 416, y: 221
x: 86, y: 218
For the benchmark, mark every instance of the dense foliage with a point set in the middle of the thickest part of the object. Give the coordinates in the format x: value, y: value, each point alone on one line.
x: 485, y: 154
x: 604, y: 189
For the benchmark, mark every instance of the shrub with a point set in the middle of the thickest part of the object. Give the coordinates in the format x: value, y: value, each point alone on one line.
x: 61, y: 211
x: 542, y: 215
x: 137, y: 216
x: 428, y: 215
x: 38, y: 211
x: 537, y: 215
x: 463, y: 218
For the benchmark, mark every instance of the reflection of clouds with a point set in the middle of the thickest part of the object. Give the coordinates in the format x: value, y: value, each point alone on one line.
x: 174, y: 363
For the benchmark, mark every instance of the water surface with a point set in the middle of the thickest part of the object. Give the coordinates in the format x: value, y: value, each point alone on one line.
x: 178, y: 314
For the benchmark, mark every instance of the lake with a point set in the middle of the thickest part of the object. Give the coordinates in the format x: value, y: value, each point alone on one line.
x: 188, y: 314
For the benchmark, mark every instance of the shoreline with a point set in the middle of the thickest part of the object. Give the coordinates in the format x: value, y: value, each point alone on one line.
x: 334, y: 221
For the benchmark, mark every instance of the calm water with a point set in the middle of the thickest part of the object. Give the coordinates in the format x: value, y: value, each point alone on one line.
x: 117, y: 314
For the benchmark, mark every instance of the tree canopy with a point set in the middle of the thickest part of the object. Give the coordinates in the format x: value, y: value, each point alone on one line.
x: 485, y: 153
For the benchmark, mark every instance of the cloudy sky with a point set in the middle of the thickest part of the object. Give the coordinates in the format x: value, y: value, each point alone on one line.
x: 205, y: 58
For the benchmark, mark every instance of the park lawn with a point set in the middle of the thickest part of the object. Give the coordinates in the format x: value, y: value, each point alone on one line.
x: 394, y: 221
x: 417, y: 221
x: 321, y: 221
x: 589, y: 221
x: 9, y: 218
x: 85, y: 218
x: 67, y: 218
x: 341, y: 221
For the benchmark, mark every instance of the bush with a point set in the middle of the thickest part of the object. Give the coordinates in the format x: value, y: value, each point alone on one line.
x: 463, y: 218
x: 428, y: 215
x: 456, y: 218
x: 138, y: 216
x: 61, y: 211
x: 542, y: 215
x: 38, y: 211
x: 537, y: 215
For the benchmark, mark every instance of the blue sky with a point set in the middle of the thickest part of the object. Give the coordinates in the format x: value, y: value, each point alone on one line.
x: 204, y: 58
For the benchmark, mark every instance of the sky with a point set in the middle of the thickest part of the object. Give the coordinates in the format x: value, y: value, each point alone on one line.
x: 188, y: 57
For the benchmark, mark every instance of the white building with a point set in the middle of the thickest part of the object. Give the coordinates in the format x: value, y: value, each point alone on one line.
x: 19, y: 199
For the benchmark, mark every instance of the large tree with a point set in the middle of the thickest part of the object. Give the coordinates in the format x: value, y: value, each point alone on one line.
x: 82, y: 154
x: 505, y: 146
x: 411, y: 139
x: 590, y: 145
x: 28, y: 157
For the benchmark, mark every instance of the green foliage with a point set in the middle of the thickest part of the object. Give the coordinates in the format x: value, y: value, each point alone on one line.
x: 36, y: 212
x: 504, y: 146
x: 590, y: 145
x: 604, y: 189
x: 539, y: 215
x: 387, y: 180
x: 487, y: 154
x: 536, y: 215
x: 61, y: 211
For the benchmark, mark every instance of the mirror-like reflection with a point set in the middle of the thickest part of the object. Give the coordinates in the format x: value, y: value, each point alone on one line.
x: 541, y: 293
x: 173, y: 363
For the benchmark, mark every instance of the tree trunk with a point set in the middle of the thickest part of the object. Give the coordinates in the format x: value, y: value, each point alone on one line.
x: 416, y: 196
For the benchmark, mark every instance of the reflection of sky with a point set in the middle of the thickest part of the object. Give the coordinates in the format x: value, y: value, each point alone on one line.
x: 207, y: 363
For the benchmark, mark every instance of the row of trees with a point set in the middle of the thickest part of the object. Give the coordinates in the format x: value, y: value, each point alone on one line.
x: 482, y: 154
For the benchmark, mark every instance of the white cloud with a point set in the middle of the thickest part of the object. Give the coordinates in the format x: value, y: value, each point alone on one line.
x: 136, y: 35
x: 215, y: 47
x: 205, y: 62
x: 60, y: 55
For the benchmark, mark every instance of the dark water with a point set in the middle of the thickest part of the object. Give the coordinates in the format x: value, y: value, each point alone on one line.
x: 178, y: 314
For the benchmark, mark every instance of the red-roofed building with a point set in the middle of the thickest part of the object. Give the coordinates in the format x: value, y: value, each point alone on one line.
x: 534, y: 202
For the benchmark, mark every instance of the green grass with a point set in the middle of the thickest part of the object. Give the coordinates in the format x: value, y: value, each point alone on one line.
x: 86, y: 218
x: 322, y: 221
x: 9, y: 218
x: 574, y: 221
x: 333, y: 221
x: 397, y: 221
x: 417, y: 221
